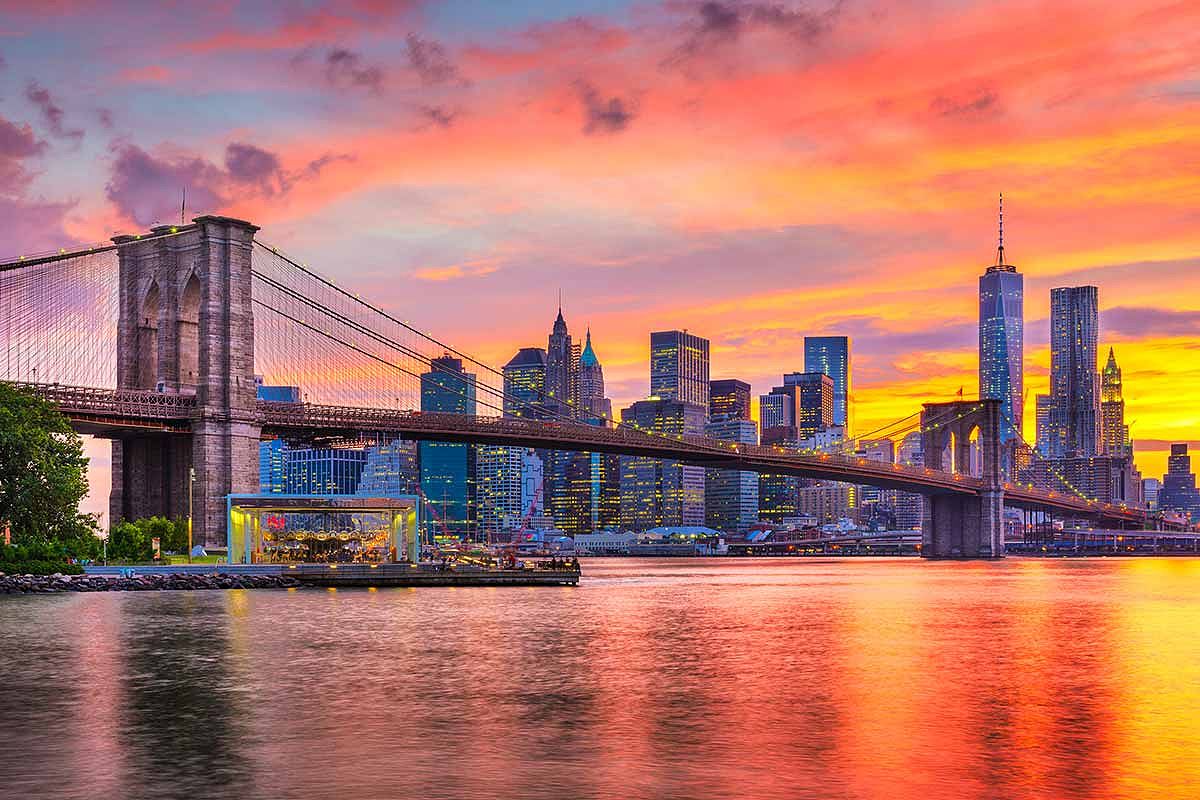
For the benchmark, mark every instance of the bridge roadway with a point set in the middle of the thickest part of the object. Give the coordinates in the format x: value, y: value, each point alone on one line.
x: 107, y: 412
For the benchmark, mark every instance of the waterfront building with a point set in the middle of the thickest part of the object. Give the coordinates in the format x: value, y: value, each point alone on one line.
x: 448, y: 469
x: 525, y: 383
x: 679, y: 367
x: 391, y: 469
x: 1114, y: 431
x: 272, y: 467
x: 323, y: 470
x: 1178, y: 492
x: 1001, y: 337
x: 779, y: 495
x: 910, y: 505
x: 1150, y: 490
x: 655, y: 491
x: 731, y: 496
x: 826, y: 501
x: 728, y: 399
x: 1105, y: 479
x: 500, y: 487
x: 873, y: 502
x: 831, y: 355
x: 1073, y: 415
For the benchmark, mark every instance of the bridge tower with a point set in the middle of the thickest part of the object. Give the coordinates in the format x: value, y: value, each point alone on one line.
x: 186, y: 326
x: 963, y: 525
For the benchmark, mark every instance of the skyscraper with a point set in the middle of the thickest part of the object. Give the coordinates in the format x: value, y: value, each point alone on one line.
x: 731, y: 496
x: 598, y: 408
x: 816, y: 401
x: 498, y: 488
x: 679, y: 367
x: 1178, y: 492
x: 831, y: 355
x: 1001, y: 337
x: 728, y: 399
x: 1114, y: 431
x: 655, y: 491
x: 599, y: 486
x: 1073, y: 425
x: 525, y: 383
x: 391, y: 469
x: 448, y: 469
x: 804, y: 405
x: 567, y: 475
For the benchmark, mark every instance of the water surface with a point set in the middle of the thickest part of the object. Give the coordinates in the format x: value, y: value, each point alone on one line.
x: 698, y: 678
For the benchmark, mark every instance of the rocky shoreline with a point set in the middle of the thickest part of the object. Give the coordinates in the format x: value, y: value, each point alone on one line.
x: 52, y: 584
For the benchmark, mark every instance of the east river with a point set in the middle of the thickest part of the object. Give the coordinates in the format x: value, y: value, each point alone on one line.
x: 716, y: 678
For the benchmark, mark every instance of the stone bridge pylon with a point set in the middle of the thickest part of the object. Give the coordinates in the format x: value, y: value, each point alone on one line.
x: 963, y: 437
x: 186, y: 326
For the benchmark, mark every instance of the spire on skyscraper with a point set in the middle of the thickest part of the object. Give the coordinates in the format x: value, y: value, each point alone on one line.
x: 1000, y: 250
x: 588, y: 357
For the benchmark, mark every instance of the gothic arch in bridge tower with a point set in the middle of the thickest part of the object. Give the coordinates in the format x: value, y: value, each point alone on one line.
x: 188, y: 334
x: 964, y: 438
x: 147, y: 338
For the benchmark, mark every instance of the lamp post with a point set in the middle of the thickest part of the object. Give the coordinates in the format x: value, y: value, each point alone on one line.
x: 191, y: 486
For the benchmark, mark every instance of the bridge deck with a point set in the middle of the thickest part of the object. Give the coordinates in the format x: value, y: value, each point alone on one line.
x: 103, y: 411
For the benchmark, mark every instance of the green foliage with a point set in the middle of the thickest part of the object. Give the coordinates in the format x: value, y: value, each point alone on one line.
x: 133, y: 541
x: 36, y: 558
x: 127, y: 542
x: 43, y: 472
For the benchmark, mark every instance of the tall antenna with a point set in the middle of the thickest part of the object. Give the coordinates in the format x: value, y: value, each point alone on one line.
x: 183, y: 206
x: 1000, y: 250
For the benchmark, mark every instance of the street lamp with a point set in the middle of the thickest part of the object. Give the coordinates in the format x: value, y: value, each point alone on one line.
x: 191, y: 486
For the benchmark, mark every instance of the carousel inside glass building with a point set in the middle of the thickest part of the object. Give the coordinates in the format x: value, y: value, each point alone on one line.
x: 283, y: 529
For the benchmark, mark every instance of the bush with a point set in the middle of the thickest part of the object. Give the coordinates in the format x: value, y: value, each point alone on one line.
x: 127, y: 541
x: 37, y: 558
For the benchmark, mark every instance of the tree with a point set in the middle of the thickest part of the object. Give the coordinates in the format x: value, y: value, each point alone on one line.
x: 43, y: 472
x: 127, y: 542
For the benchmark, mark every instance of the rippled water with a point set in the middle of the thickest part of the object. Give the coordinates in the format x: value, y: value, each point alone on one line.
x: 654, y: 678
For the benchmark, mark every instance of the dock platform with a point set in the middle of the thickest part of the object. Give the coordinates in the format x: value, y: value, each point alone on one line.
x: 338, y: 575
x: 379, y: 575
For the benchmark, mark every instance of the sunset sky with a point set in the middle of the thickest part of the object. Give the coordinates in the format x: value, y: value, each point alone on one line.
x: 752, y: 171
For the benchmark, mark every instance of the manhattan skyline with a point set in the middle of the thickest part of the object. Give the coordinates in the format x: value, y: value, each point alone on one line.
x: 460, y: 163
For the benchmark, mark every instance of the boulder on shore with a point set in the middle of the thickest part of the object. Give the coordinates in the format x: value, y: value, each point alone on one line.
x: 50, y: 584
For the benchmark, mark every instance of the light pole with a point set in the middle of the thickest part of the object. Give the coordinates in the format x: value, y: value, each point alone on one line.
x: 191, y: 486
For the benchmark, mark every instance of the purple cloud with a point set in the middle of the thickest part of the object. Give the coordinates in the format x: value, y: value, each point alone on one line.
x: 429, y: 61
x: 52, y: 113
x: 975, y: 104
x: 718, y: 23
x: 1137, y: 323
x: 602, y: 115
x: 148, y: 188
x: 345, y: 68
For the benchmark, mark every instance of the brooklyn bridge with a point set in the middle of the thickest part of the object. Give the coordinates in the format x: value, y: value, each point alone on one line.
x: 154, y: 342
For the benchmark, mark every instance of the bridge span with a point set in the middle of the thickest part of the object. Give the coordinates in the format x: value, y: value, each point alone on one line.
x: 155, y: 341
x: 113, y: 413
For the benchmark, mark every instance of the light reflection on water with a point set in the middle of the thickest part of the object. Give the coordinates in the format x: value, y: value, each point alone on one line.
x: 654, y: 678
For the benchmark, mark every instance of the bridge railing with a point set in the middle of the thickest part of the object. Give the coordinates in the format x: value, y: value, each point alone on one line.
x: 348, y: 417
x: 114, y: 402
